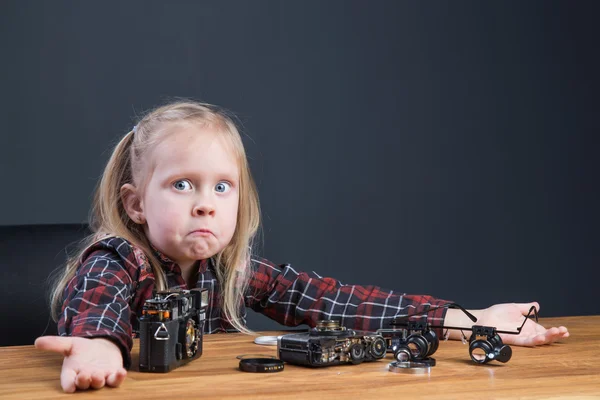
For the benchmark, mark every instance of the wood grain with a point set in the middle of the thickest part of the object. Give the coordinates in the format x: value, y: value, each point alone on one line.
x: 562, y: 370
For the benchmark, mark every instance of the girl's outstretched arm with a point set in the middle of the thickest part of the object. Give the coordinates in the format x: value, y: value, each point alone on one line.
x: 97, y: 299
x: 293, y: 297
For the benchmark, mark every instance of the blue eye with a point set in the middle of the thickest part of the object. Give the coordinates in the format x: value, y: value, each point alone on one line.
x: 222, y: 187
x: 182, y: 185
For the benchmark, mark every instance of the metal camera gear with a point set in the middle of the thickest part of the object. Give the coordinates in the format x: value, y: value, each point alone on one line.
x: 171, y: 329
x: 486, y: 345
x: 330, y: 344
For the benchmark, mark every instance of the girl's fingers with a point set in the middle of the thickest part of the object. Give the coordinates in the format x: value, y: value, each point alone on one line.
x: 543, y: 338
x: 116, y: 378
x: 528, y: 340
x: 521, y: 341
x: 57, y: 344
x: 539, y: 328
x: 71, y: 380
x: 563, y: 330
x: 97, y: 380
x: 83, y: 380
x: 111, y: 379
x: 552, y: 332
x: 518, y: 340
x: 550, y: 336
x: 67, y: 380
x: 536, y: 335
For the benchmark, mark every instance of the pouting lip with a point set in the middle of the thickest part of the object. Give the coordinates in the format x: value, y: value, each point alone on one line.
x: 202, y: 231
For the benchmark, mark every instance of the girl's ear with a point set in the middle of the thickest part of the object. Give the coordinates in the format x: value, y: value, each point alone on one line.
x: 132, y: 202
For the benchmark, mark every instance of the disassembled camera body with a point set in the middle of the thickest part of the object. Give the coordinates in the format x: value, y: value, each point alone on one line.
x: 330, y: 344
x: 171, y: 329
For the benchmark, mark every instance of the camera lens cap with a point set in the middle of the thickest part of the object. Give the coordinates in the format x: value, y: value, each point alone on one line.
x: 261, y: 365
x: 410, y: 367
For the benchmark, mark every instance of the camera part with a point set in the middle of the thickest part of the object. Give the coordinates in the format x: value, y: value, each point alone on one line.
x: 330, y: 344
x: 266, y: 340
x: 485, y: 345
x: 410, y: 367
x: 416, y: 346
x: 171, y: 329
x: 416, y: 342
x: 403, y: 338
x: 261, y: 365
x: 245, y: 356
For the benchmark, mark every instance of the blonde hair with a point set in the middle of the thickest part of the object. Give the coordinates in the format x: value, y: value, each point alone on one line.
x: 125, y: 166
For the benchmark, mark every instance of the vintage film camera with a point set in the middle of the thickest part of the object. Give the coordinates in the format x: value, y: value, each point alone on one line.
x: 330, y: 344
x: 171, y: 329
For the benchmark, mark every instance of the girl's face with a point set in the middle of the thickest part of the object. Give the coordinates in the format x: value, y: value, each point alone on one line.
x: 190, y: 203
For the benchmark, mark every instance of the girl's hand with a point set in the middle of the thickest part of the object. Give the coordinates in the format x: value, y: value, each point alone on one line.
x: 510, y: 316
x: 87, y: 363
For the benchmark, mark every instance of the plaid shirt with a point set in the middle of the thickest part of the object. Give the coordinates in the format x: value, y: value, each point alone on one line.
x: 108, y: 291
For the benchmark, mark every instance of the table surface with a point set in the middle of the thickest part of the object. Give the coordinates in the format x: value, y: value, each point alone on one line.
x: 568, y: 369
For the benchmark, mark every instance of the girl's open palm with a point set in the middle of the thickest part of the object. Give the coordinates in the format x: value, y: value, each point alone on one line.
x: 510, y: 316
x: 88, y: 363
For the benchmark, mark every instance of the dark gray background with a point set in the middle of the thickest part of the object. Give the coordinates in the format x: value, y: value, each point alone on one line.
x: 443, y: 148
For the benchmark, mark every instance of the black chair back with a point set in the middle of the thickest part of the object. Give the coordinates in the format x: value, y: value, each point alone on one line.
x: 28, y: 256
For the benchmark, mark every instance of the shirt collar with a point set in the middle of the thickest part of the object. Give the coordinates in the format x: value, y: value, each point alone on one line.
x: 161, y: 256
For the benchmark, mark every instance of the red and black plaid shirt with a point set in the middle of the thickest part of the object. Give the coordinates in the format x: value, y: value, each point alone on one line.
x: 108, y: 291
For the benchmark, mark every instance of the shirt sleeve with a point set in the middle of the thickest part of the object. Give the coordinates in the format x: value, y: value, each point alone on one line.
x: 96, y: 302
x: 293, y: 298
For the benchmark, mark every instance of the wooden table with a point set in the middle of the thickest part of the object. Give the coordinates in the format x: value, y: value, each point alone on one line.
x: 570, y: 369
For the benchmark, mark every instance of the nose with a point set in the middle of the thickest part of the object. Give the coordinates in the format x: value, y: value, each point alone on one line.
x: 203, y: 207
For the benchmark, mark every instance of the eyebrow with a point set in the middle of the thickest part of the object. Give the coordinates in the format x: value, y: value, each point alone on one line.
x: 232, y: 175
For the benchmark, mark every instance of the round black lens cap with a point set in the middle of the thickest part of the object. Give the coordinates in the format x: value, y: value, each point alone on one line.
x: 261, y: 365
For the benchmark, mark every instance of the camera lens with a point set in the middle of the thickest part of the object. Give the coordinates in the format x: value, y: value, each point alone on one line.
x: 402, y: 354
x: 479, y: 350
x: 478, y: 355
x: 418, y: 345
x: 414, y: 349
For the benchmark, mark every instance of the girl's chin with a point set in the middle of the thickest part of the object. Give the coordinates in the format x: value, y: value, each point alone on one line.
x: 201, y: 252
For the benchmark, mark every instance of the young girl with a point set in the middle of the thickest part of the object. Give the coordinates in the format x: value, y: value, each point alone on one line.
x: 177, y: 208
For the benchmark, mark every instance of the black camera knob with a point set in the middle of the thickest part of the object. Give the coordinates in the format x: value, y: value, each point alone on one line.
x: 502, y: 354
